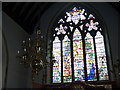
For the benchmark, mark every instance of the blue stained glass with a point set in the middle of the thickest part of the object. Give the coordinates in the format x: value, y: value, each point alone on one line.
x: 90, y: 58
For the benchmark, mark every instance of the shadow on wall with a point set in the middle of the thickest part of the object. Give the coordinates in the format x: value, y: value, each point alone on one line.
x: 14, y: 74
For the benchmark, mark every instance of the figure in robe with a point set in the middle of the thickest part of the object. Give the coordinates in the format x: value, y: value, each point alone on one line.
x: 92, y: 72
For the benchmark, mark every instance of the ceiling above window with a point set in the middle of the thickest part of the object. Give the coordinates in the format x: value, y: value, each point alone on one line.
x: 27, y: 14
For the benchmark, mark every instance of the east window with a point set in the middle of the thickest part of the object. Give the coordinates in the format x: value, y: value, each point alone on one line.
x: 78, y: 48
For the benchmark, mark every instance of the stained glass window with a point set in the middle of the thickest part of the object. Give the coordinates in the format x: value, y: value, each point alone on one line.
x: 78, y: 48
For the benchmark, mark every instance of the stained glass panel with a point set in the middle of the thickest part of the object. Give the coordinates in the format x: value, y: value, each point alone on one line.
x: 91, y: 17
x: 75, y: 15
x: 67, y: 72
x: 61, y: 29
x: 78, y: 56
x: 92, y: 25
x: 90, y: 58
x: 101, y: 57
x: 57, y: 64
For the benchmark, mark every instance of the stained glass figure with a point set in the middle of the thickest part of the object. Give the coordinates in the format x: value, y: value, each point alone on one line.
x: 90, y: 58
x: 67, y: 72
x: 101, y: 57
x: 57, y: 64
x: 78, y: 56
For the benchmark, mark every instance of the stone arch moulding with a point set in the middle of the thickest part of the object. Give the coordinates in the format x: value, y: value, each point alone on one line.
x: 88, y: 7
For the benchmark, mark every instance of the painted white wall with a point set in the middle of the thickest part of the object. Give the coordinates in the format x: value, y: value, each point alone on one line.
x: 109, y: 14
x: 13, y: 35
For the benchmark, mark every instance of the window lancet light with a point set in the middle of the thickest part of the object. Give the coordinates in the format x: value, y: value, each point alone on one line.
x: 78, y: 48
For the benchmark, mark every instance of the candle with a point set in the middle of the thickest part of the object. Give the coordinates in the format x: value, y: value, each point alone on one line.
x: 39, y: 48
x: 18, y: 51
x: 23, y: 41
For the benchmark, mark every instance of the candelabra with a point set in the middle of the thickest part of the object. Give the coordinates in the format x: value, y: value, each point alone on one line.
x: 33, y: 53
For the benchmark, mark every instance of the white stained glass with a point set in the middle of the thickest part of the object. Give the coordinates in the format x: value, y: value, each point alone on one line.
x: 101, y: 57
x: 57, y: 64
x: 75, y: 15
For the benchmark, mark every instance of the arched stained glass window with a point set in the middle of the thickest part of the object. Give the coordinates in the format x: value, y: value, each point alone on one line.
x: 78, y: 48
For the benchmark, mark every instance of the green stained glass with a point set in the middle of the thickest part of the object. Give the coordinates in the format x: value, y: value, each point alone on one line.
x: 67, y: 74
x: 90, y: 58
x: 78, y: 56
x: 57, y: 64
x: 101, y: 57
